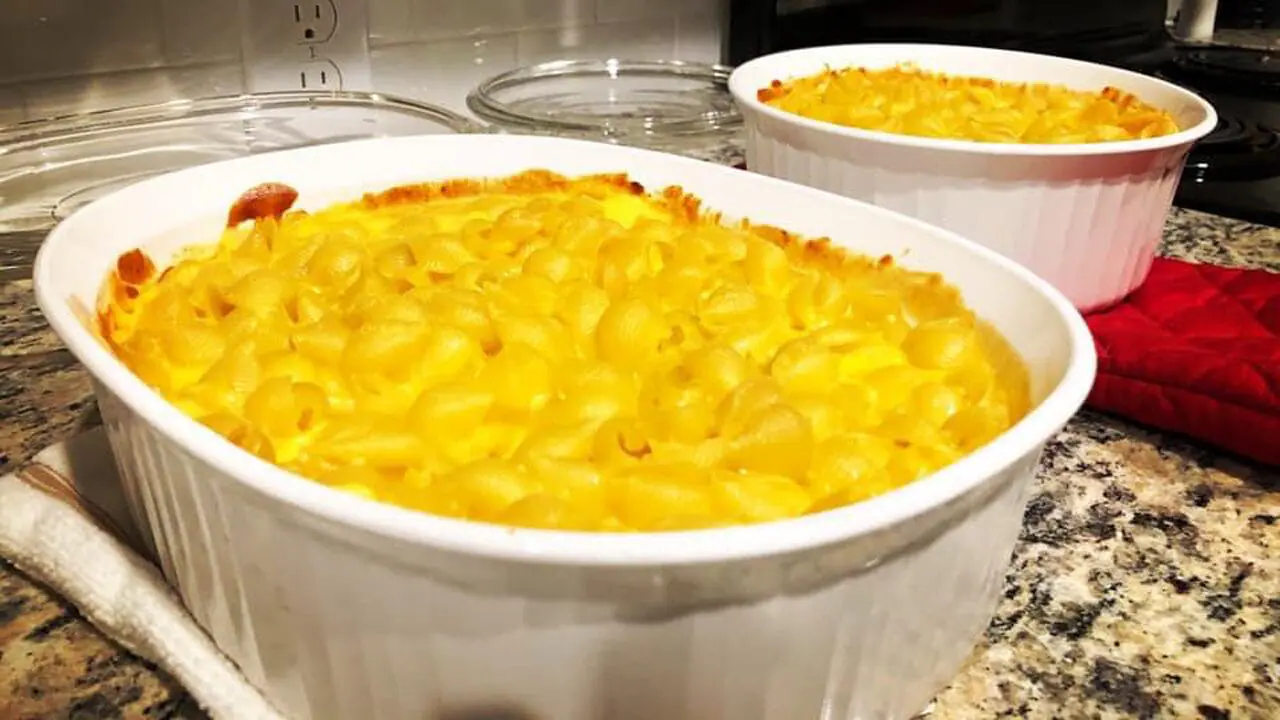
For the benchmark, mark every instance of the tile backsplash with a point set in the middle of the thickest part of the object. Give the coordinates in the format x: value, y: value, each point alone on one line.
x: 67, y: 56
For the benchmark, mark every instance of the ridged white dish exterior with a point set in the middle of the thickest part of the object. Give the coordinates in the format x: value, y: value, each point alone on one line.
x: 1087, y: 218
x: 341, y: 608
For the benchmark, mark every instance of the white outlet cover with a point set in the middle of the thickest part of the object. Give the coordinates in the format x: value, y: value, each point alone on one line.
x: 320, y: 74
x: 286, y: 43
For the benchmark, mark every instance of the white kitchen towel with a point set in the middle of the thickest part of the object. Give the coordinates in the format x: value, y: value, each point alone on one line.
x: 73, y: 532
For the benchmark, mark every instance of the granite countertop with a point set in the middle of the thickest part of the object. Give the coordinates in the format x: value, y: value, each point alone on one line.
x: 1146, y: 583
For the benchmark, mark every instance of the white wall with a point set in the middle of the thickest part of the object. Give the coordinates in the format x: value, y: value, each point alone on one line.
x: 440, y: 49
x: 65, y: 56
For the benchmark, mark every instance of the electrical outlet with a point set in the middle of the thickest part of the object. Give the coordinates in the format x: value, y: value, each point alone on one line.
x: 314, y: 45
x: 320, y: 74
x: 315, y: 22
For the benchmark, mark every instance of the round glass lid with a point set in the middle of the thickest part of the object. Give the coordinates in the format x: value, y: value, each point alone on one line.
x: 621, y: 100
x: 49, y: 168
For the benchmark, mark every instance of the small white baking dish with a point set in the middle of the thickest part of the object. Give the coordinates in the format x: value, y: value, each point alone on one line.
x: 1086, y: 217
x: 342, y: 608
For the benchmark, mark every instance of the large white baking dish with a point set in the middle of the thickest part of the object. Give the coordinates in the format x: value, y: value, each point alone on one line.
x: 342, y: 608
x: 1086, y: 217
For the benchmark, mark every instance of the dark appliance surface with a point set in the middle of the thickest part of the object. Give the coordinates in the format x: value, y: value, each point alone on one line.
x: 1247, y: 15
x: 1098, y: 30
x: 1234, y: 172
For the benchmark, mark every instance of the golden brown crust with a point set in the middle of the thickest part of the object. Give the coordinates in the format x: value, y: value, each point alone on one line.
x: 775, y: 89
x: 133, y: 270
x: 268, y: 200
x: 134, y: 267
x: 528, y: 182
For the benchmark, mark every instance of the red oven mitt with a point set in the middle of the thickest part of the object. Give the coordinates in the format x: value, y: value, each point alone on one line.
x: 1196, y: 350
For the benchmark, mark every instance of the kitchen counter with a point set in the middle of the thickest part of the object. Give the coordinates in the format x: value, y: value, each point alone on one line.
x: 1146, y: 583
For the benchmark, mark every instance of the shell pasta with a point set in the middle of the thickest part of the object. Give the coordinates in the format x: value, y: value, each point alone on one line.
x: 906, y: 100
x: 567, y: 353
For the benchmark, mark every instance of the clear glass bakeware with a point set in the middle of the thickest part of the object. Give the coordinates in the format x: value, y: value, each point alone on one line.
x: 49, y: 168
x: 667, y: 105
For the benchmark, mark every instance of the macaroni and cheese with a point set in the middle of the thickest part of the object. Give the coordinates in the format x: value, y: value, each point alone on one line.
x: 549, y: 352
x: 908, y: 101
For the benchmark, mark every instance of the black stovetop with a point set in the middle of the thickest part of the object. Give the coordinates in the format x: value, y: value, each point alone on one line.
x: 1235, y: 170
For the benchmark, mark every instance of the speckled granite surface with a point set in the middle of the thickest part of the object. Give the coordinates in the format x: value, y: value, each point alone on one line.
x: 1146, y: 584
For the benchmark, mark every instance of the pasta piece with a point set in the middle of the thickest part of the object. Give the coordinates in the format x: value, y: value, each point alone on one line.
x: 485, y: 488
x: 661, y: 497
x: 757, y: 497
x: 451, y: 410
x: 776, y: 439
x: 628, y: 333
x: 547, y: 512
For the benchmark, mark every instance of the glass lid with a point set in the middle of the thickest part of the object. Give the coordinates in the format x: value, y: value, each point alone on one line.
x: 49, y: 168
x: 625, y: 101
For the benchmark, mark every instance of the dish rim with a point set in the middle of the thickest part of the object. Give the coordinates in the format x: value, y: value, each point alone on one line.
x: 777, y: 65
x: 519, y: 545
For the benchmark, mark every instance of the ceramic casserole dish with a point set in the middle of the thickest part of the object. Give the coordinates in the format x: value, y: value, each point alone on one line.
x: 1087, y: 217
x: 339, y: 607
